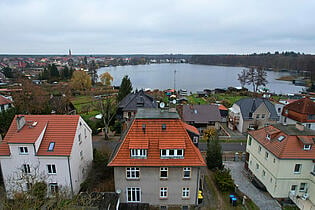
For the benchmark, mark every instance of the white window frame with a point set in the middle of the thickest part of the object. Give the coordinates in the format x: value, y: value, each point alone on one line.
x: 53, y: 188
x: 307, y: 147
x: 28, y: 186
x: 299, y: 168
x: 304, y: 187
x: 132, y: 173
x: 23, y: 150
x: 263, y: 116
x: 80, y: 139
x: 185, y: 192
x: 259, y: 149
x: 195, y: 139
x: 51, y: 168
x: 163, y: 169
x: 185, y: 170
x: 26, y: 168
x: 135, y: 193
x: 174, y: 151
x: 163, y: 192
x: 138, y: 153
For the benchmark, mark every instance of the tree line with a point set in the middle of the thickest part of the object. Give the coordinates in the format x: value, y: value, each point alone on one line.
x: 276, y: 61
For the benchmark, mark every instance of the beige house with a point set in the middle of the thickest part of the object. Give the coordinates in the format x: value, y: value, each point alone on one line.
x: 251, y: 113
x: 157, y: 162
x: 281, y: 157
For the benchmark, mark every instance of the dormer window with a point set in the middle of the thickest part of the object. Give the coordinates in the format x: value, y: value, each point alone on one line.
x: 23, y: 150
x: 138, y: 153
x: 172, y: 153
x: 307, y: 146
x: 268, y: 136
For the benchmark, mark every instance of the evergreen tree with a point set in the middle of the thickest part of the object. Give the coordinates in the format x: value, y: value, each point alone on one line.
x: 214, y: 153
x: 54, y: 73
x: 125, y: 88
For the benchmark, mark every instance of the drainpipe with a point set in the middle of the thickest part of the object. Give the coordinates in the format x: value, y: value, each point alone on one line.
x: 198, y: 182
x: 70, y: 177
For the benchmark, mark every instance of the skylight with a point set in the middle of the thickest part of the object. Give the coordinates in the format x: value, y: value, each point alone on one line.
x: 51, y: 146
x: 280, y: 138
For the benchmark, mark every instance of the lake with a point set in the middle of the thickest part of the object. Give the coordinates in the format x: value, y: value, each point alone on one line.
x: 191, y: 77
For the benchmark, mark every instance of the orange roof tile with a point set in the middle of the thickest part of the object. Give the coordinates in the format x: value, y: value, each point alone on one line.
x: 60, y: 129
x: 4, y: 100
x: 290, y: 147
x: 191, y: 128
x: 174, y: 136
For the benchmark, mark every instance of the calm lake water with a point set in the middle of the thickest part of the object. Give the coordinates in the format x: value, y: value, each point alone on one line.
x: 191, y: 77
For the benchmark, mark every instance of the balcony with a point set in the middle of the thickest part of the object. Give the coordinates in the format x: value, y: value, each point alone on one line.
x: 301, y: 200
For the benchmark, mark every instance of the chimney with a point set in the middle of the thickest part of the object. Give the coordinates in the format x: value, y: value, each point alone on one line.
x: 20, y: 122
x: 299, y: 126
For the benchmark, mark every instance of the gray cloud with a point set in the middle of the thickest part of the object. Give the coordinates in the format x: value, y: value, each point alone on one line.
x: 177, y: 26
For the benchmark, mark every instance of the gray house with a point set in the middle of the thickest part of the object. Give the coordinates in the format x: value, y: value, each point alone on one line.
x: 157, y: 163
x: 201, y: 116
x: 251, y: 113
x: 127, y: 108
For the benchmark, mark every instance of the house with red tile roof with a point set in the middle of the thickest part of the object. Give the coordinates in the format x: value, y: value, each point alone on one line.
x: 282, y: 158
x: 53, y: 148
x: 5, y: 103
x: 157, y: 163
x: 300, y: 111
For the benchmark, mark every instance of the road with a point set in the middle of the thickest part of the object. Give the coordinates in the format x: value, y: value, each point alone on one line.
x: 226, y: 147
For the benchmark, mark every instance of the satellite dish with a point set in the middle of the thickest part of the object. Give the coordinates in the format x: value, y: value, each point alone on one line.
x: 162, y: 105
x: 174, y: 101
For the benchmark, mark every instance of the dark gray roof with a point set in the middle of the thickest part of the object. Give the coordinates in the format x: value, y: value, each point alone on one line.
x: 156, y: 114
x: 201, y: 113
x: 291, y: 130
x: 140, y: 99
x: 249, y: 105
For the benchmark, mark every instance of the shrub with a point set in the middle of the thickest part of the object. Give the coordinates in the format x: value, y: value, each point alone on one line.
x: 223, y: 180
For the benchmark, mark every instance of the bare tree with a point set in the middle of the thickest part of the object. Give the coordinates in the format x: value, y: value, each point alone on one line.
x: 261, y: 76
x: 242, y: 78
x: 251, y: 77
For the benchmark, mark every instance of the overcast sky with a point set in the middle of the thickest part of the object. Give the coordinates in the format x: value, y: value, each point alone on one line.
x: 156, y: 26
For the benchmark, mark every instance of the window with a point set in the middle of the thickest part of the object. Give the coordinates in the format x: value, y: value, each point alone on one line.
x: 280, y: 138
x: 266, y: 155
x: 307, y: 146
x: 264, y: 173
x: 257, y: 166
x: 81, y: 154
x: 163, y: 207
x: 297, y: 168
x: 51, y: 146
x: 195, y: 139
x: 53, y: 187
x: 80, y: 140
x: 26, y: 168
x: 293, y: 187
x: 133, y: 194
x: 279, y: 110
x: 257, y: 116
x: 29, y: 186
x: 133, y: 173
x: 51, y: 169
x: 259, y: 149
x: 185, y: 192
x: 187, y: 172
x: 263, y: 116
x: 249, y: 140
x: 313, y: 172
x: 163, y: 192
x: 163, y: 126
x: 163, y: 173
x: 23, y: 150
x: 268, y: 136
x: 138, y: 153
x: 270, y: 180
x: 302, y: 187
x: 85, y: 133
x: 172, y: 153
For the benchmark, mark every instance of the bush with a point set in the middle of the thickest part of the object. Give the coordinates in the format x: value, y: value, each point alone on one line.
x: 223, y: 180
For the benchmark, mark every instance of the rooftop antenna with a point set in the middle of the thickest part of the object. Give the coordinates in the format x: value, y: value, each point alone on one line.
x: 175, y: 79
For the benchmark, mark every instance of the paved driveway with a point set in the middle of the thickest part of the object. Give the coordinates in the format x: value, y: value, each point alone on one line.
x: 262, y: 199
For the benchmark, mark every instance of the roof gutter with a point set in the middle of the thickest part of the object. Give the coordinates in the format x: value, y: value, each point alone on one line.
x: 70, y: 176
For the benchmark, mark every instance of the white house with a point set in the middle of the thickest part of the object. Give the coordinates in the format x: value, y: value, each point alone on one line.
x: 5, y: 103
x: 53, y: 148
